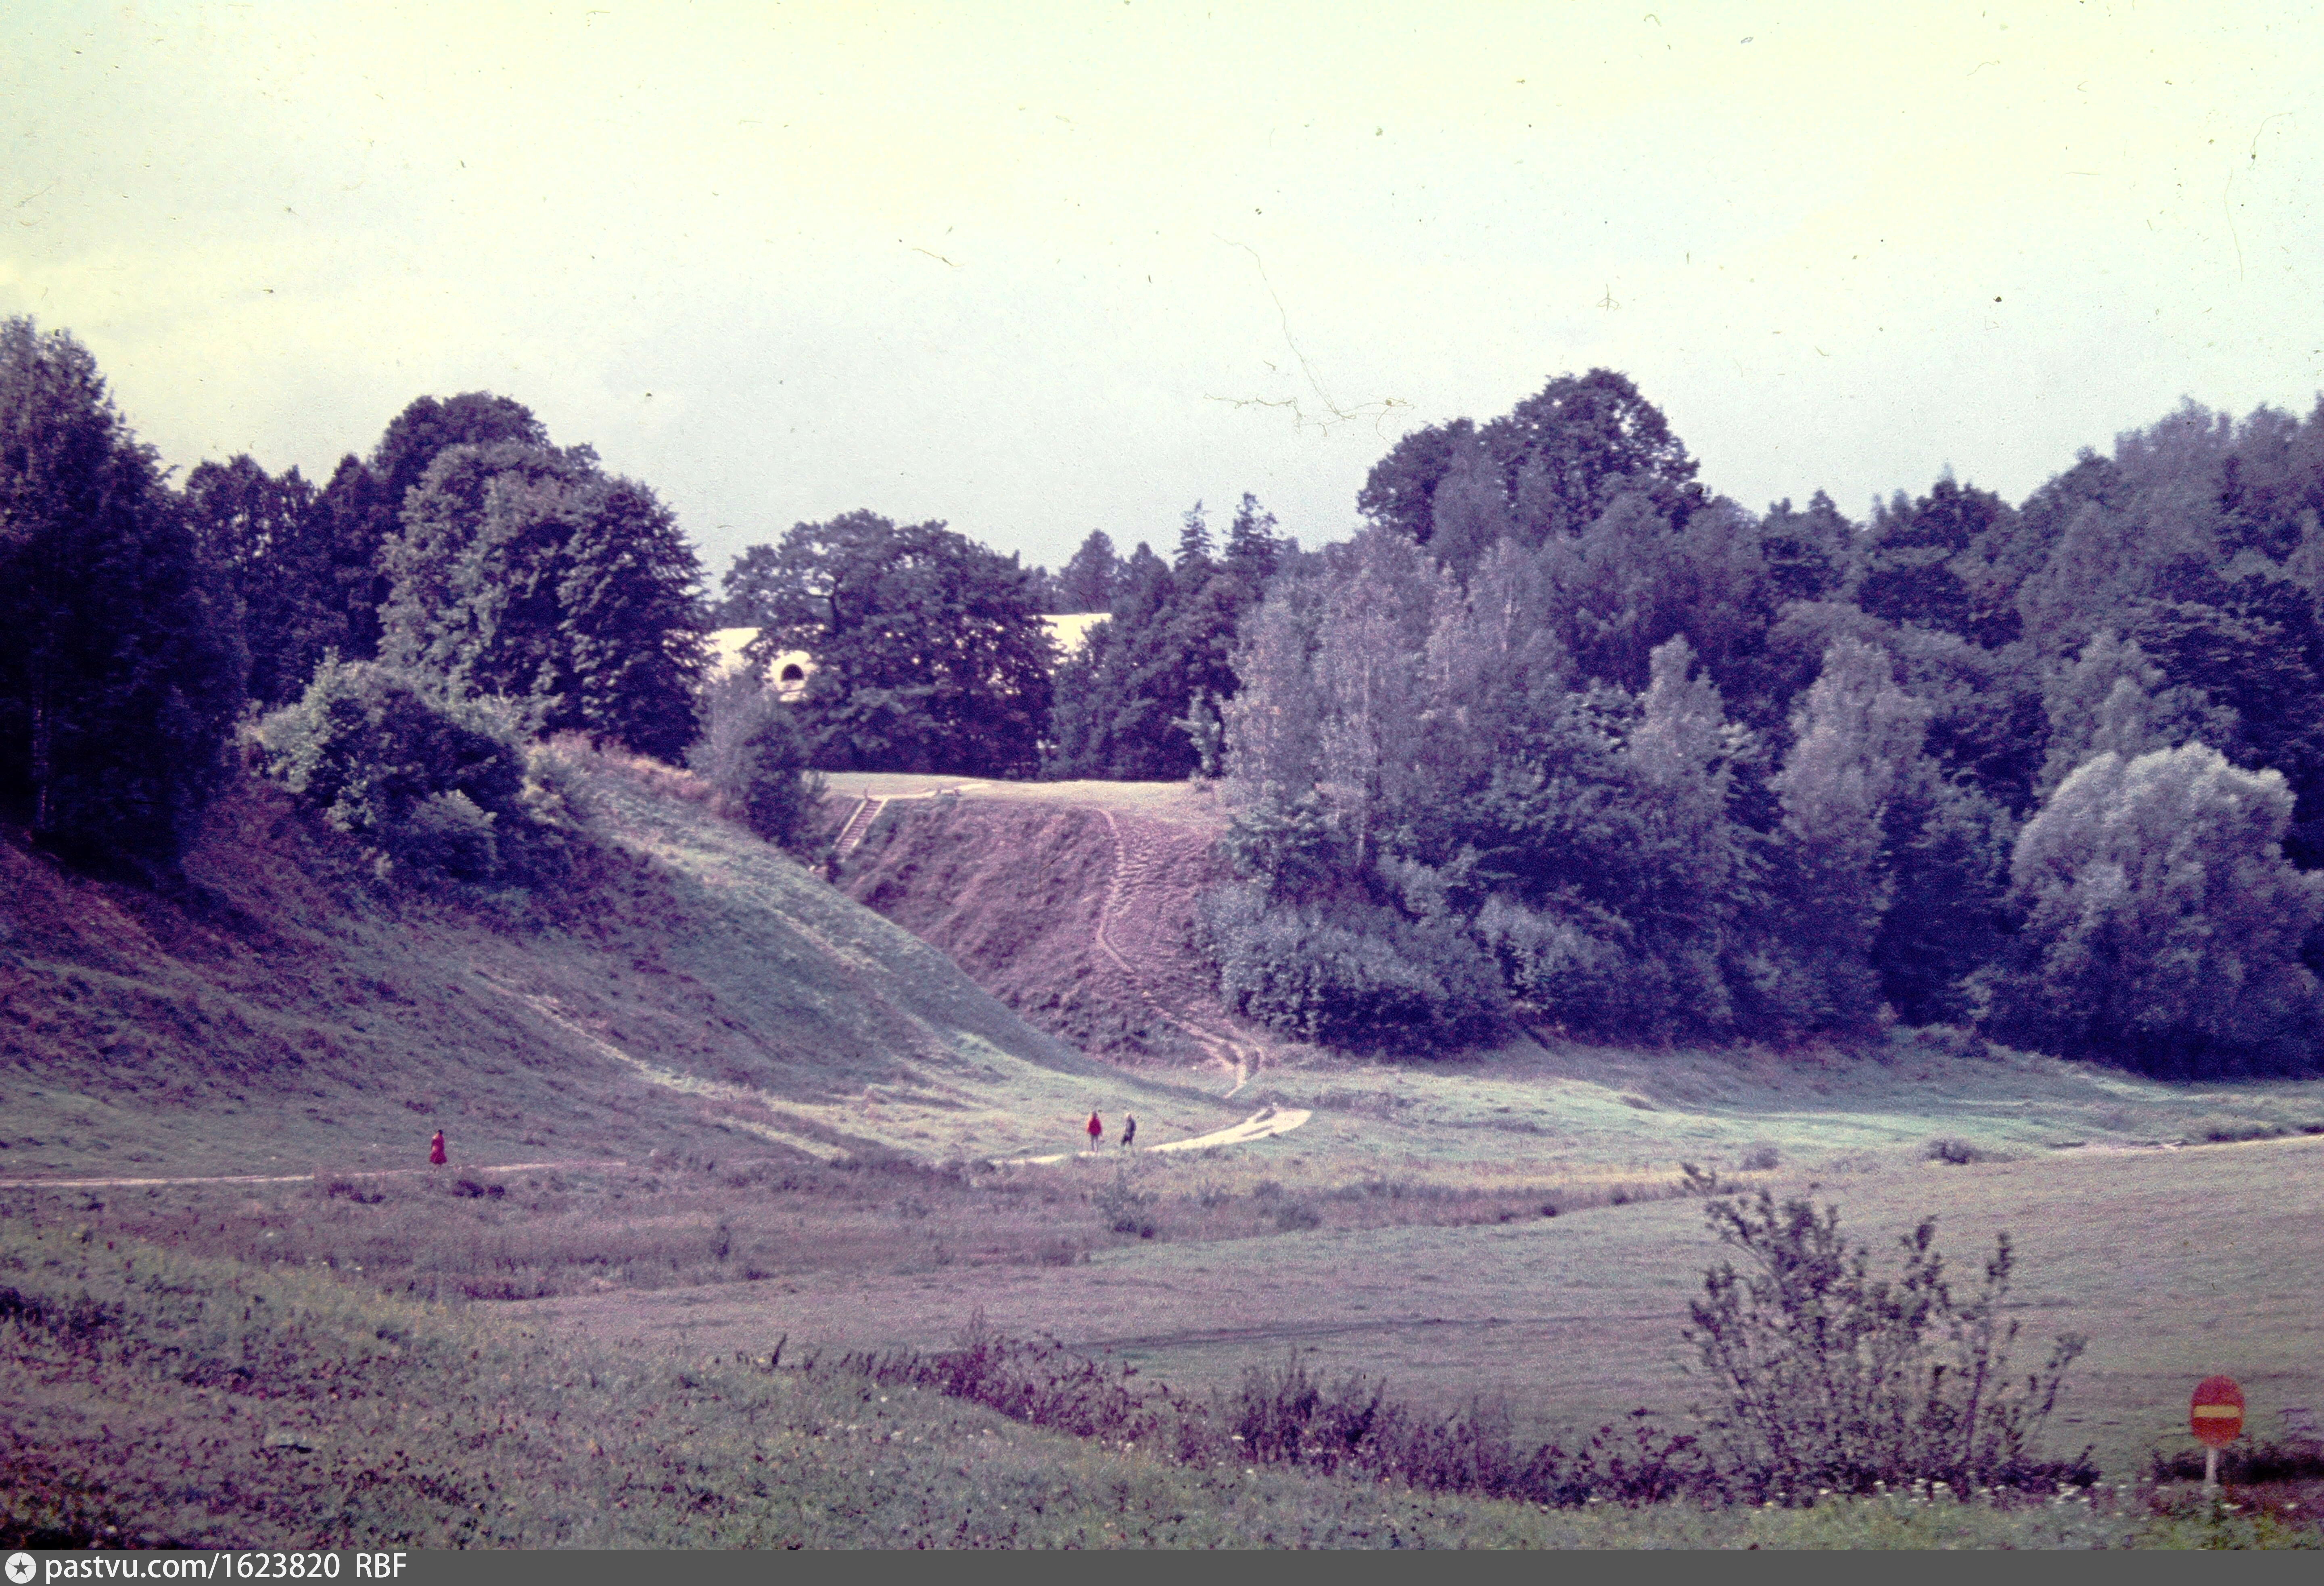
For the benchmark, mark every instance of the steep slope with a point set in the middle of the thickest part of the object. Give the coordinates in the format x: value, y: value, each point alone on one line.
x: 1076, y: 914
x: 688, y: 990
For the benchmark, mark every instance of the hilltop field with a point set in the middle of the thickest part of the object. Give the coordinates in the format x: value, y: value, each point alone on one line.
x: 702, y: 1105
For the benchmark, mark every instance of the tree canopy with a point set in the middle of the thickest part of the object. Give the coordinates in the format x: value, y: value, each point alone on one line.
x: 525, y: 572
x: 270, y: 541
x: 929, y: 651
x: 1142, y: 700
x: 1680, y: 768
x: 1561, y: 737
x: 1546, y: 468
x: 121, y: 663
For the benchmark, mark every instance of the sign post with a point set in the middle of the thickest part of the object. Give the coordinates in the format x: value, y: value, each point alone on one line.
x: 2215, y: 1416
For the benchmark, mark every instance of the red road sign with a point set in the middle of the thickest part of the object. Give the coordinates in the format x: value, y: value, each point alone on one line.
x: 2216, y: 1412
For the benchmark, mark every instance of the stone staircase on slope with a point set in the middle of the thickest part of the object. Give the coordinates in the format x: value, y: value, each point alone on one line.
x: 851, y: 836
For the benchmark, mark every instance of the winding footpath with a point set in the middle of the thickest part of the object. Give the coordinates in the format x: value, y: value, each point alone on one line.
x: 1234, y: 1056
x: 1262, y: 1125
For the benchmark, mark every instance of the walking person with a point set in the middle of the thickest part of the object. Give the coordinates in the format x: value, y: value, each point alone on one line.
x: 1128, y: 1129
x: 1096, y: 1131
x: 435, y: 1158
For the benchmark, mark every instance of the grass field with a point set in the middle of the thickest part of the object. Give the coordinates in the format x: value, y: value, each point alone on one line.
x: 162, y: 1399
x: 780, y: 1114
x: 1189, y: 803
x: 2176, y: 1264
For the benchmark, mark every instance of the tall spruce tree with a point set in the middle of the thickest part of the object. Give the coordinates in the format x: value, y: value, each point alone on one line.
x: 269, y: 541
x: 120, y: 668
x: 1146, y: 703
x: 1088, y: 581
x: 1195, y: 543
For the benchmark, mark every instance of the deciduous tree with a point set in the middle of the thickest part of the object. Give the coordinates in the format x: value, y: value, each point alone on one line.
x: 929, y: 651
x: 2162, y: 923
x: 1855, y: 740
x: 524, y: 572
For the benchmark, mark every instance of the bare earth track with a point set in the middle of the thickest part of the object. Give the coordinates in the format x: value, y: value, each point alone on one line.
x: 57, y: 1183
x: 1073, y: 903
x: 1234, y: 1055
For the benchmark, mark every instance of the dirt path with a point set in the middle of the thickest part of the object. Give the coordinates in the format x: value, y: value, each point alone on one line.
x: 1264, y: 1124
x: 1233, y: 1056
x: 352, y: 1173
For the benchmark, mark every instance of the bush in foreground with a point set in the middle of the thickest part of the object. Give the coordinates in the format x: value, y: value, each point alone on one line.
x: 1834, y: 1378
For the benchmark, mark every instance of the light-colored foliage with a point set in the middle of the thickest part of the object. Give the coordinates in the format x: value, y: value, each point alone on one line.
x: 2163, y: 921
x: 1854, y: 739
x: 2113, y: 699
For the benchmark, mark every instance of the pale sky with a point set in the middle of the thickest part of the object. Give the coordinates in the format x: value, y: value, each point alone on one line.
x: 1039, y: 268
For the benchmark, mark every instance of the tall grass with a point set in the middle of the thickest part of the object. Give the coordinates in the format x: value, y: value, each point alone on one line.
x: 1283, y: 1415
x: 688, y: 1221
x: 159, y: 1398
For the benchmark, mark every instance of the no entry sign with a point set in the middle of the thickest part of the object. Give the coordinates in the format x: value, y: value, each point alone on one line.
x: 2216, y: 1412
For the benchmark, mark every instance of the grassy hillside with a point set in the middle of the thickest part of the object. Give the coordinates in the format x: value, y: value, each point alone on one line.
x: 689, y: 990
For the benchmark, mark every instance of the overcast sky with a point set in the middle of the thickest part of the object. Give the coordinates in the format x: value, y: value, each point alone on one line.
x: 1037, y: 268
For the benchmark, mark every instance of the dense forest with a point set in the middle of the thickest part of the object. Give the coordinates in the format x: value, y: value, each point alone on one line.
x: 1560, y: 738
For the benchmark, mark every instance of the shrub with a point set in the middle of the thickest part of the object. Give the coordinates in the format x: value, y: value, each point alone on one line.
x: 1288, y: 847
x: 1348, y: 974
x: 421, y: 781
x: 1834, y: 1378
x: 1761, y: 1160
x: 1042, y: 1384
x: 1297, y: 1217
x: 1124, y: 1210
x: 2246, y: 1461
x: 754, y: 758
x: 1959, y: 1153
x: 2219, y: 1131
x: 1586, y: 979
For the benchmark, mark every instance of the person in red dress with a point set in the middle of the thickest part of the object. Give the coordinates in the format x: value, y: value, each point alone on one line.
x: 435, y: 1150
x: 1096, y: 1131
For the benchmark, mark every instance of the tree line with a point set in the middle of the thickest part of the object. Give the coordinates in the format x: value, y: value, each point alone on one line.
x: 1559, y: 738
x: 466, y: 588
